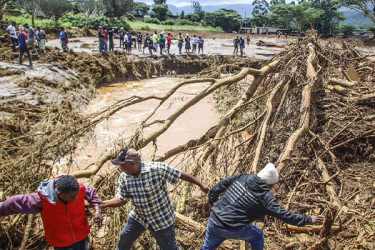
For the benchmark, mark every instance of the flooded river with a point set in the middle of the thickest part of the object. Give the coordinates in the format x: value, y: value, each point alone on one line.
x: 192, y: 124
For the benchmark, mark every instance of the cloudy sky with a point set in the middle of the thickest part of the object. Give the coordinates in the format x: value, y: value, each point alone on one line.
x: 203, y: 2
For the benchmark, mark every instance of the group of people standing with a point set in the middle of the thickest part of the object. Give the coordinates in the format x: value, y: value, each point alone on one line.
x: 27, y: 36
x: 153, y: 43
x: 239, y: 42
x: 244, y: 199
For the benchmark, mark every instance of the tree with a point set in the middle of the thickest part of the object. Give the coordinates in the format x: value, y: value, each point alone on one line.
x: 229, y: 20
x: 55, y: 8
x: 3, y: 5
x: 366, y: 7
x: 260, y: 7
x: 160, y: 2
x: 182, y: 15
x: 197, y: 10
x: 30, y: 6
x: 160, y: 11
x: 347, y: 30
x: 89, y: 7
x: 140, y: 9
x: 117, y: 8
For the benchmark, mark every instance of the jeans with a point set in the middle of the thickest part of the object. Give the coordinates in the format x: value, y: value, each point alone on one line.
x: 165, y: 238
x: 81, y: 245
x: 216, y: 235
x: 25, y: 50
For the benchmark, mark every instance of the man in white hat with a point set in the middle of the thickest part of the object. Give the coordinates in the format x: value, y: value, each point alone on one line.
x: 246, y: 198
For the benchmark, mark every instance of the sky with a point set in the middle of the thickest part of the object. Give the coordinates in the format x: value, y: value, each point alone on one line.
x: 202, y: 2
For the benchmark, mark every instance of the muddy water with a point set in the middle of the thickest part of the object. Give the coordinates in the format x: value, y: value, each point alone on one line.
x: 192, y: 124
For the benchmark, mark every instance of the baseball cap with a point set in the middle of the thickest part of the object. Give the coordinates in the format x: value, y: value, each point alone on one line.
x: 126, y: 155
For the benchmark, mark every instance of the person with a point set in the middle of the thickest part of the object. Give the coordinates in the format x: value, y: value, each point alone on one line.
x: 236, y: 42
x: 139, y: 41
x: 110, y: 37
x: 242, y: 45
x: 195, y: 43
x: 162, y: 42
x: 22, y: 38
x: 13, y: 35
x: 267, y: 31
x: 61, y: 203
x: 105, y: 40
x: 286, y: 34
x: 145, y: 184
x: 278, y: 34
x: 32, y: 37
x: 187, y: 44
x: 148, y: 44
x: 169, y: 42
x: 42, y: 40
x: 122, y: 33
x: 101, y: 38
x: 134, y: 42
x: 126, y: 42
x: 180, y: 42
x: 200, y: 44
x: 64, y: 39
x: 248, y: 40
x: 129, y: 45
x: 155, y: 40
x: 246, y: 198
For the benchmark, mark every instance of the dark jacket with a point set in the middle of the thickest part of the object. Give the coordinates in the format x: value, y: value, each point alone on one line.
x: 247, y: 198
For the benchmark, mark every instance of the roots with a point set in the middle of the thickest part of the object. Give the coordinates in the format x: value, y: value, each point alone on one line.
x: 300, y: 110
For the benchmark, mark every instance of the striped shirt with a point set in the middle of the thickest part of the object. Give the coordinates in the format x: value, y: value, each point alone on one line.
x: 149, y: 195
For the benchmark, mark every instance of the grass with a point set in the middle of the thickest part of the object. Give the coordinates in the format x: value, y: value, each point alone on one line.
x: 139, y: 25
x: 43, y: 23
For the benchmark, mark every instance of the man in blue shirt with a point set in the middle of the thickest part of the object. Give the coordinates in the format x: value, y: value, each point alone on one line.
x: 22, y: 38
x: 32, y: 37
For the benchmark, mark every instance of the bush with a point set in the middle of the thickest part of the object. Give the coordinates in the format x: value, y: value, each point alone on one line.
x: 185, y: 22
x: 153, y: 20
x: 168, y: 22
x: 130, y: 17
x: 146, y: 27
x: 347, y: 30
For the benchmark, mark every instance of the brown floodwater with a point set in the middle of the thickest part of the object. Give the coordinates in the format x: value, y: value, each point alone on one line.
x: 192, y: 124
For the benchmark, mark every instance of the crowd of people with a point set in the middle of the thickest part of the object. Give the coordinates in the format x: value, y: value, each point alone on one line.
x: 152, y: 43
x: 244, y: 199
x: 27, y: 37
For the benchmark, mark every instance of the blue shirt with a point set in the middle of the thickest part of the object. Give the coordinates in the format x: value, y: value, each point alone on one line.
x: 22, y: 41
x: 31, y: 33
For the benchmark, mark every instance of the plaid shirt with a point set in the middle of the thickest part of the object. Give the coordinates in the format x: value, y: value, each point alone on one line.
x: 149, y: 195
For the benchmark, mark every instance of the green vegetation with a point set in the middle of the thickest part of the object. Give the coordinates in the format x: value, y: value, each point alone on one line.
x: 347, y: 30
x: 228, y: 20
x: 153, y: 20
x: 137, y: 25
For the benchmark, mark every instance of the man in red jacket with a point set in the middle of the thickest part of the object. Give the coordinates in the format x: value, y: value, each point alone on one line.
x: 62, y: 207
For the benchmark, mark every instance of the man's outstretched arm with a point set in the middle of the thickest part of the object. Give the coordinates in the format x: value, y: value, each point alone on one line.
x: 188, y: 177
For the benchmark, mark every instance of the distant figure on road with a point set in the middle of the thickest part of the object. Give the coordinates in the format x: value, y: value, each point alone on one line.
x: 110, y: 39
x: 13, y: 35
x: 32, y: 37
x: 236, y: 43
x: 200, y: 44
x: 122, y: 34
x: 187, y: 44
x: 242, y: 45
x: 101, y: 38
x: 169, y: 42
x: 248, y: 40
x: 162, y: 41
x: 278, y: 34
x: 42, y: 39
x: 64, y: 39
x: 139, y: 41
x: 155, y: 40
x: 246, y: 198
x: 22, y: 38
x: 195, y: 43
x: 180, y: 42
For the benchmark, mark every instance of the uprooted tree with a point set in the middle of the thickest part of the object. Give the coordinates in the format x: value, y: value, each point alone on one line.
x: 309, y: 110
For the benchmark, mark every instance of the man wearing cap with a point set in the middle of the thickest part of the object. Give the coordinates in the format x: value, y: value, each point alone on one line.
x: 144, y: 183
x: 246, y: 198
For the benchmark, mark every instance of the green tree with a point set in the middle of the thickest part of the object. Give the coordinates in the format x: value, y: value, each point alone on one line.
x: 30, y: 6
x: 182, y: 15
x: 229, y: 20
x: 55, y: 8
x: 366, y: 7
x: 89, y: 8
x: 347, y: 30
x: 140, y: 9
x: 160, y: 2
x: 3, y: 5
x: 260, y: 7
x: 160, y: 11
x: 117, y: 8
x: 197, y: 10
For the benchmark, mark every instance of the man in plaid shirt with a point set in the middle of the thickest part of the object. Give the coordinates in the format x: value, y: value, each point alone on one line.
x: 144, y: 183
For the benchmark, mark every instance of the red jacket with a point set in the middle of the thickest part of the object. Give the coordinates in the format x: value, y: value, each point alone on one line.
x: 65, y: 224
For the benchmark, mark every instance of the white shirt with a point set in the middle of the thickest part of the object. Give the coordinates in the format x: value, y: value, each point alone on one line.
x: 12, y: 31
x: 195, y: 40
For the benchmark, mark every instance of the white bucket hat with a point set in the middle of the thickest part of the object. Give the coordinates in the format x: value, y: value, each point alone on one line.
x: 269, y: 174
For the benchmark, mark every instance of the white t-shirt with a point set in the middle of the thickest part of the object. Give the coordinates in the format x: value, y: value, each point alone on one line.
x: 12, y: 31
x: 195, y: 40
